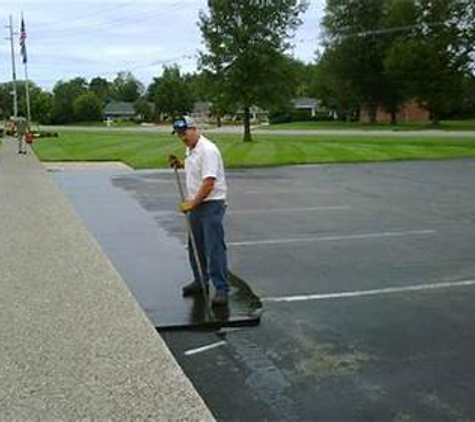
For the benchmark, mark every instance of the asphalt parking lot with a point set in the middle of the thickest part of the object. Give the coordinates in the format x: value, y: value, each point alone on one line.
x: 367, y: 274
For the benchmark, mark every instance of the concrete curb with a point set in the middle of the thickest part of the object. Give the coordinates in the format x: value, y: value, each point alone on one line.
x: 74, y: 343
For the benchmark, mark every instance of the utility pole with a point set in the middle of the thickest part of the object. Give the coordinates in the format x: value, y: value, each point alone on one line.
x: 15, y: 98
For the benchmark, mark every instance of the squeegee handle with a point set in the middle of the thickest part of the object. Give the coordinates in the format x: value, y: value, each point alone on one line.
x: 178, y: 181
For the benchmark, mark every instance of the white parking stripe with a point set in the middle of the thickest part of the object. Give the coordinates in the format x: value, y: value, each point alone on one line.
x: 204, y: 348
x: 333, y: 238
x: 384, y: 291
x: 287, y: 191
x: 284, y: 210
x: 269, y: 211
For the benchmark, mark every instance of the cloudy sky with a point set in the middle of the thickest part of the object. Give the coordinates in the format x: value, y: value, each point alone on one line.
x: 90, y: 38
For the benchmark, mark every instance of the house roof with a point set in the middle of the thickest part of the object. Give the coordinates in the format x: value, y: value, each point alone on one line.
x: 304, y: 102
x: 201, y: 107
x: 120, y: 108
x: 253, y: 109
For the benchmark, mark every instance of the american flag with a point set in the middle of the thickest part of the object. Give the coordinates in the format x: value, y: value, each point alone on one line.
x: 23, y: 41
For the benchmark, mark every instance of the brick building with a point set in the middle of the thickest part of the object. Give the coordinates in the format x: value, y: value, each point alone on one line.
x: 410, y: 111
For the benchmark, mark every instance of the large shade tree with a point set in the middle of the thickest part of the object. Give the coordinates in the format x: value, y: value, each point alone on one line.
x: 352, y: 32
x: 87, y: 108
x: 102, y: 88
x: 126, y: 87
x: 436, y: 61
x: 40, y: 101
x: 171, y: 93
x: 387, y: 51
x: 246, y: 42
x: 333, y: 89
x: 64, y: 96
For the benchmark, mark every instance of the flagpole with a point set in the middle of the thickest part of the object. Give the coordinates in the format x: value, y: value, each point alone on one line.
x: 25, y: 62
x: 28, y: 113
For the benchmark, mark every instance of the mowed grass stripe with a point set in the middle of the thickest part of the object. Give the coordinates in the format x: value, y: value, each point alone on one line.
x: 449, y: 125
x: 149, y: 150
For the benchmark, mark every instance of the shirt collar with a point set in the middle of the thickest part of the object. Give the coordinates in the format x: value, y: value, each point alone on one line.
x: 197, y: 147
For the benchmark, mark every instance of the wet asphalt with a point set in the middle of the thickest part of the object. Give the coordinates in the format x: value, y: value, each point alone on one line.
x: 392, y: 355
x: 152, y: 261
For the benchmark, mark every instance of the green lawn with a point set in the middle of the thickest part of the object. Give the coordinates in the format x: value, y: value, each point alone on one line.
x: 401, y: 126
x: 148, y: 150
x: 118, y: 123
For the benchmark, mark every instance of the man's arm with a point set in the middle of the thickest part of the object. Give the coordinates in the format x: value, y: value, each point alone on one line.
x: 205, y: 189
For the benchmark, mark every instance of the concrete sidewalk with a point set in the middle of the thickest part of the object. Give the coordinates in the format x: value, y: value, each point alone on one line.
x: 74, y: 343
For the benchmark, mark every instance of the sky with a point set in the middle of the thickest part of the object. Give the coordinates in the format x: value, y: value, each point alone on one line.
x: 89, y: 38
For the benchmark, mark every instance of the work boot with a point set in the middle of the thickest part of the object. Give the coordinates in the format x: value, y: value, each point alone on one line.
x: 220, y: 298
x: 193, y: 288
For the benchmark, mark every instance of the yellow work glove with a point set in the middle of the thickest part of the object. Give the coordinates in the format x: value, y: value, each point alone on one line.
x: 186, y: 206
x: 175, y: 162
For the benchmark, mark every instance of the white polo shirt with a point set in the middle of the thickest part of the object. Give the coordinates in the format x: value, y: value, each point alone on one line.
x: 201, y: 162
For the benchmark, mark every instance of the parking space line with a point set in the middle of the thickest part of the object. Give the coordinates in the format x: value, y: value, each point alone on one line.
x: 388, y: 290
x: 204, y: 348
x: 268, y: 211
x: 284, y: 210
x: 289, y: 191
x: 361, y: 236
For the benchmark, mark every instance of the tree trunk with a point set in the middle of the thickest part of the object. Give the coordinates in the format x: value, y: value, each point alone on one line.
x: 247, y: 124
x: 393, y: 117
x: 434, y: 118
x: 218, y: 119
x: 372, y: 110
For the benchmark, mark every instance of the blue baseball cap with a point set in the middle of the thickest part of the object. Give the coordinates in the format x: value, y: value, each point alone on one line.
x: 182, y: 124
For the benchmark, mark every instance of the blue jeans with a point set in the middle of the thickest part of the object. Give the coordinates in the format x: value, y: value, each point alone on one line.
x: 207, y: 225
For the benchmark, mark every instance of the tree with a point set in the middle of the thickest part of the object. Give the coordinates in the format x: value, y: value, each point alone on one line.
x: 437, y: 60
x: 199, y: 85
x: 401, y: 24
x: 40, y: 101
x: 333, y: 89
x: 41, y: 106
x: 300, y: 83
x: 246, y: 43
x: 64, y: 95
x: 215, y: 93
x: 171, y: 93
x: 101, y: 87
x: 466, y: 108
x: 352, y: 30
x: 388, y: 51
x: 87, y: 108
x: 143, y: 109
x: 6, y: 100
x: 126, y: 87
x: 304, y: 75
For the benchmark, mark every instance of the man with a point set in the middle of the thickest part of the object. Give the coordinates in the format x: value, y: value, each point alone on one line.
x: 206, y: 205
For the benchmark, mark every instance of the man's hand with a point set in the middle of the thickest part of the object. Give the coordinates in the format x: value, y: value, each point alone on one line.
x: 175, y: 162
x: 186, y: 206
